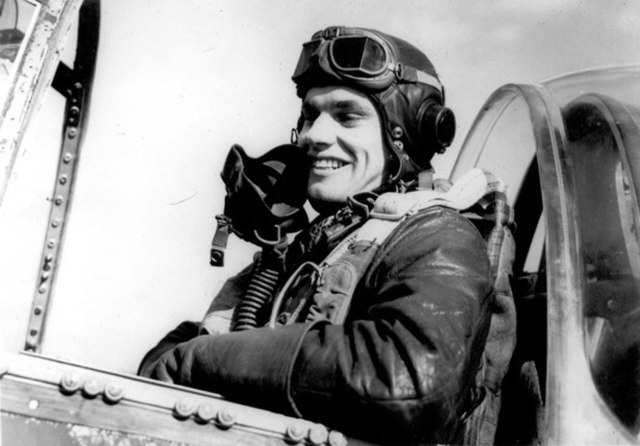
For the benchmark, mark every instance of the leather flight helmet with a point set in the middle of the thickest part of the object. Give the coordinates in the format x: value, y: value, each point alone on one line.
x: 401, y: 82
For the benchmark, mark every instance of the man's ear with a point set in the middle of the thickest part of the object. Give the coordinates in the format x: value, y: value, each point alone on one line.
x: 295, y: 132
x: 300, y: 122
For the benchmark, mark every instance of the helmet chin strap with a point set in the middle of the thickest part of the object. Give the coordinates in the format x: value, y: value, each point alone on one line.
x: 425, y: 179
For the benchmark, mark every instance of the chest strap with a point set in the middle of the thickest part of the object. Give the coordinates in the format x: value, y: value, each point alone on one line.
x: 338, y: 275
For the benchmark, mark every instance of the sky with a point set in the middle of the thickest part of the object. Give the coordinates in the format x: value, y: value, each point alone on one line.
x: 177, y: 83
x: 247, y: 50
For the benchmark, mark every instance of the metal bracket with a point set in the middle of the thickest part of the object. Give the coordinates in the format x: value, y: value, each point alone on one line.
x: 75, y: 84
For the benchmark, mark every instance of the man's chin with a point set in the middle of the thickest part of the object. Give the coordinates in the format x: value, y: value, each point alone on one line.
x: 325, y: 205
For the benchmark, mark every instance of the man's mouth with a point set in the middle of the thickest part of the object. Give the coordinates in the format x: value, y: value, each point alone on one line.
x: 327, y: 164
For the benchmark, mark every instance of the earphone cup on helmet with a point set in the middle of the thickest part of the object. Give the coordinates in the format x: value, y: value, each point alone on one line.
x: 445, y: 125
x: 437, y: 125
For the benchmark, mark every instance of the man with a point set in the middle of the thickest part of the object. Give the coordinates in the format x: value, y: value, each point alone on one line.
x: 401, y: 364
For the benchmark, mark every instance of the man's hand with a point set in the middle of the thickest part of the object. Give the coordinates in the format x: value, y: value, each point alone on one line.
x: 190, y: 363
x: 166, y: 368
x: 182, y: 333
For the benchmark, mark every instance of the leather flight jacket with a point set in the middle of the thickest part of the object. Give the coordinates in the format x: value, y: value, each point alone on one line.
x: 401, y: 369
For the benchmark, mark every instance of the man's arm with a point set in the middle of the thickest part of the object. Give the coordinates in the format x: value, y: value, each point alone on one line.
x: 402, y: 366
x: 406, y: 363
x: 217, y: 320
x: 184, y: 332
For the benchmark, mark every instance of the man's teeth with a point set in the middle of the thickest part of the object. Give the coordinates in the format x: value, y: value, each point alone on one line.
x: 327, y: 164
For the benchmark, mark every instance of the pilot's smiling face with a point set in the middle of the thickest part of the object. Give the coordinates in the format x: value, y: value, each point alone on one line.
x: 343, y: 137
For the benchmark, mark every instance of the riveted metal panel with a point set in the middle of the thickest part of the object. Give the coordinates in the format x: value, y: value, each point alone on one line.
x: 80, y: 403
x: 75, y: 84
x: 25, y: 430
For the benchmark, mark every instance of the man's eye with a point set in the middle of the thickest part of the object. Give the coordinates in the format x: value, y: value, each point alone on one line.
x: 349, y: 118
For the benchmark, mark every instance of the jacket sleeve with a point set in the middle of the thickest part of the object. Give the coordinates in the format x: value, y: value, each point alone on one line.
x: 217, y: 320
x: 182, y: 333
x: 402, y: 366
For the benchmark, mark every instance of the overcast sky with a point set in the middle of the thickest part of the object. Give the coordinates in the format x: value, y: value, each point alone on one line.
x: 242, y: 53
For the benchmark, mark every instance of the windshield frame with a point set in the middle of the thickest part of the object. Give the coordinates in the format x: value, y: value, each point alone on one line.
x: 567, y: 360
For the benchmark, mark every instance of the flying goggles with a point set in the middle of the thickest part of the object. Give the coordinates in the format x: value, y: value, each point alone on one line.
x: 359, y: 57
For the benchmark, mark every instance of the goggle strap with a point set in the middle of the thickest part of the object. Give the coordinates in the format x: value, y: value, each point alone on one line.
x: 410, y: 74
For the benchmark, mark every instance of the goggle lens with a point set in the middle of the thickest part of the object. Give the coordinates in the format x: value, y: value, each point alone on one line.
x: 308, y: 49
x: 361, y: 54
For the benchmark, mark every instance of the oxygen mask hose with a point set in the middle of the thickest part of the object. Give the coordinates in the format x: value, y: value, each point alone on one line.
x: 261, y: 289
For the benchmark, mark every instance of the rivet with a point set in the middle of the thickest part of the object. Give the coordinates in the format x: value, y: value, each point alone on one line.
x: 30, y: 346
x: 67, y: 157
x: 318, y: 434
x: 226, y: 418
x: 33, y: 404
x: 113, y: 393
x: 37, y: 310
x: 55, y: 222
x: 183, y: 409
x: 75, y: 110
x: 42, y: 289
x: 77, y: 85
x: 337, y: 439
x: 397, y: 132
x: 295, y: 433
x: 92, y: 388
x: 45, y: 276
x: 72, y: 132
x: 51, y: 243
x: 59, y: 200
x: 33, y: 332
x: 398, y: 144
x: 205, y: 413
x: 63, y: 179
x: 70, y: 382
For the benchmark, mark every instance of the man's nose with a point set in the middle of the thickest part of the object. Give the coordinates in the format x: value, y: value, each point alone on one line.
x: 318, y: 134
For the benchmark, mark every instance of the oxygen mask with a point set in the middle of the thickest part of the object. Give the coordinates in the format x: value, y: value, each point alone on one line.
x: 264, y: 198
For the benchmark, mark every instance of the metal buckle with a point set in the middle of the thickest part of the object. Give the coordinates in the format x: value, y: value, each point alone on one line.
x: 332, y: 32
x: 399, y: 71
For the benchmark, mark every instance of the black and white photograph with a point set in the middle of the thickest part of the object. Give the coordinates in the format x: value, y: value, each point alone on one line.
x: 356, y: 222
